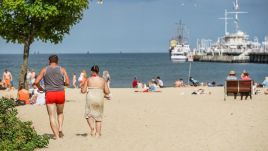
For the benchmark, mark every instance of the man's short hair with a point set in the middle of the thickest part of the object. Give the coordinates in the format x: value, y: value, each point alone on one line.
x: 53, y: 59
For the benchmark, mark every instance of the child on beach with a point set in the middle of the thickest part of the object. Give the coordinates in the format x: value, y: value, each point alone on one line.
x: 82, y: 78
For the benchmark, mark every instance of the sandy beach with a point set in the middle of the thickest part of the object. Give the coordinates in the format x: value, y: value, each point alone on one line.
x: 171, y: 120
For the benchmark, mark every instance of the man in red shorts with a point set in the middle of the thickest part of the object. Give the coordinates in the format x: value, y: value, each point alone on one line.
x: 55, y: 78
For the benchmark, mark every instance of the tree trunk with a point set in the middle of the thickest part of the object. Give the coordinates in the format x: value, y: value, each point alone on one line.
x: 24, y: 66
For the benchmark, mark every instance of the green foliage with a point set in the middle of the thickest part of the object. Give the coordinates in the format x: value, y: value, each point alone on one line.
x: 46, y: 20
x: 16, y: 135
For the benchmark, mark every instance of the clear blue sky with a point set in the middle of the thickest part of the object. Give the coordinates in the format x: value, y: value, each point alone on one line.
x: 148, y: 25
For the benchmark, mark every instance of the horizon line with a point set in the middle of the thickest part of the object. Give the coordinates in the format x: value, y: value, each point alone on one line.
x: 80, y: 53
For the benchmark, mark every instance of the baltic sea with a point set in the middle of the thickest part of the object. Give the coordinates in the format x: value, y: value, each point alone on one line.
x: 124, y: 67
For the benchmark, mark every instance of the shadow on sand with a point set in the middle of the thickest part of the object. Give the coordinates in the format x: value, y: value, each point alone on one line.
x: 50, y: 136
x: 83, y: 134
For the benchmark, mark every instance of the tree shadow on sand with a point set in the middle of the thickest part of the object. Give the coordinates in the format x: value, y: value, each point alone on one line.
x: 50, y: 136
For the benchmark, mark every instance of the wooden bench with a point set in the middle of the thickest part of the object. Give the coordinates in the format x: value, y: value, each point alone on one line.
x: 238, y: 86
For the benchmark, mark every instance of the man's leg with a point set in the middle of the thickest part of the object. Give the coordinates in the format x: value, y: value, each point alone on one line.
x: 60, y: 117
x: 52, y: 114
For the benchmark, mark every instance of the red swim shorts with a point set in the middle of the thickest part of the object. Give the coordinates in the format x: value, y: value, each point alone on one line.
x: 57, y: 97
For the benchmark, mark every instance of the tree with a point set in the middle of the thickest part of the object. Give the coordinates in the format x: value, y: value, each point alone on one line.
x: 24, y: 21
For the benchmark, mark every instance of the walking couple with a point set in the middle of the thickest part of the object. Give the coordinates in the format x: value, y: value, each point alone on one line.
x: 55, y: 78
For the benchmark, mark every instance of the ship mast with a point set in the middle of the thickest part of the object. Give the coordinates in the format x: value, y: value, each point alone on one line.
x: 236, y: 12
x: 182, y: 33
x: 225, y: 21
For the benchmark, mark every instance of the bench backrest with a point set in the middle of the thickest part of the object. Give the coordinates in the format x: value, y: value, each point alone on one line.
x: 235, y: 86
x: 231, y: 86
x: 245, y: 85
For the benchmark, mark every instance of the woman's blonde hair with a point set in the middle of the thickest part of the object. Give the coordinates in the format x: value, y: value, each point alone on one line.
x: 85, y: 73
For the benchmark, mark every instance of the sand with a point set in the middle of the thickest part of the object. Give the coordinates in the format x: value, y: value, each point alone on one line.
x: 171, y: 120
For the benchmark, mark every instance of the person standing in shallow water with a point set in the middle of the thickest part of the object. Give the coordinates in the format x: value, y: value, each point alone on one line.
x: 55, y: 78
x: 96, y: 88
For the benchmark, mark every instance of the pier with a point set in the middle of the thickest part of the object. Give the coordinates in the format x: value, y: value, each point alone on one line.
x: 260, y: 57
x: 234, y: 46
x: 227, y: 59
x: 255, y: 57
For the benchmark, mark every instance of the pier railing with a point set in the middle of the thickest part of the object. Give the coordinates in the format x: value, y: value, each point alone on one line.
x: 240, y: 58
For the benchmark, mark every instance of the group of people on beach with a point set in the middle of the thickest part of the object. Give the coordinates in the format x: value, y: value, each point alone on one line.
x: 83, y: 77
x: 245, y: 76
x: 48, y: 88
x: 152, y: 85
x: 232, y: 76
x: 30, y: 77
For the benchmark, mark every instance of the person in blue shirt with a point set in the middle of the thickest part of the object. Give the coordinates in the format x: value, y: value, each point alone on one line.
x: 231, y: 76
x: 265, y: 82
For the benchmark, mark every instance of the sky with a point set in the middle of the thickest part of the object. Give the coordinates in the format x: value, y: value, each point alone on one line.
x: 131, y: 26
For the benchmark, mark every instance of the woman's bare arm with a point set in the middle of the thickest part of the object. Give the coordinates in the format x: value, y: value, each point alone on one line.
x: 106, y: 89
x: 84, y: 87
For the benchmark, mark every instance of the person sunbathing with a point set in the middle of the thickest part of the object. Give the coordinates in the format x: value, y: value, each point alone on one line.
x: 23, y: 96
x: 194, y: 82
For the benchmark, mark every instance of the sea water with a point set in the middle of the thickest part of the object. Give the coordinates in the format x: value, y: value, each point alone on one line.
x: 123, y: 67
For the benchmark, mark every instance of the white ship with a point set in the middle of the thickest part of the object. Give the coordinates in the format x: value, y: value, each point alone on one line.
x: 179, y: 48
x: 236, y: 43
